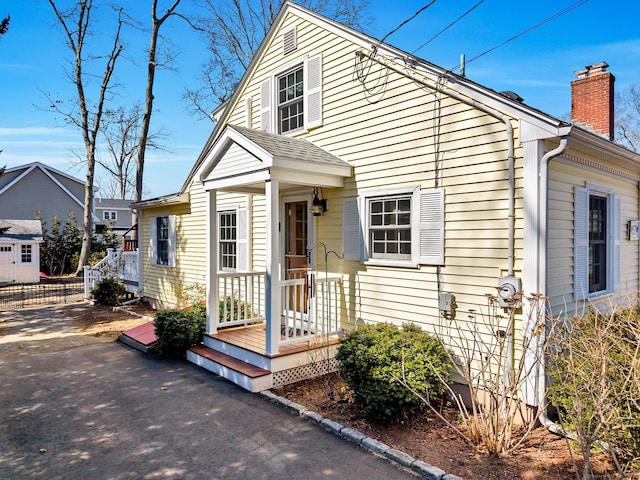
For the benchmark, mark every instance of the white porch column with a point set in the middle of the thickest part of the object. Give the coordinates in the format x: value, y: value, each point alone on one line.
x: 212, y: 263
x: 273, y: 267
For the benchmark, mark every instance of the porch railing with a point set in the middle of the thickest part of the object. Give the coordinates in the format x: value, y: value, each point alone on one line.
x: 123, y: 266
x: 241, y: 298
x: 310, y: 305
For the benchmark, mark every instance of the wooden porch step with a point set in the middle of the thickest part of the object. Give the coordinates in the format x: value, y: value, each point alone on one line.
x: 228, y: 361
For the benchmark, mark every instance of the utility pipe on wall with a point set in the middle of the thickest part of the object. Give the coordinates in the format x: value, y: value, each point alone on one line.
x: 543, y: 188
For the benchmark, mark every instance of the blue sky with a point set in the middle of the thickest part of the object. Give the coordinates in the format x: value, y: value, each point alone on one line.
x: 538, y: 66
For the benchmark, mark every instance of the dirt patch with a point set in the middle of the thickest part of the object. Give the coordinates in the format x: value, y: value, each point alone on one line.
x: 426, y: 438
x: 59, y: 327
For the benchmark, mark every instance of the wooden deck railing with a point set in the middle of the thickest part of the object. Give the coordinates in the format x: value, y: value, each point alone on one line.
x: 310, y: 305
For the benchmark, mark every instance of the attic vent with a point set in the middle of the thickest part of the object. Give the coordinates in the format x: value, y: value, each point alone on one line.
x: 512, y: 96
x: 289, y: 40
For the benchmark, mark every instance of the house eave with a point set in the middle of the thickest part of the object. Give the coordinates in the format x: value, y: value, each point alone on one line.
x: 166, y: 200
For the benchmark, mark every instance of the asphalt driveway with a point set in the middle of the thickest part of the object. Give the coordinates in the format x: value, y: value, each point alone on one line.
x: 105, y: 411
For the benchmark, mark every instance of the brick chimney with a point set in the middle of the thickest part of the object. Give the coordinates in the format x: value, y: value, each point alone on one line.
x: 592, y: 99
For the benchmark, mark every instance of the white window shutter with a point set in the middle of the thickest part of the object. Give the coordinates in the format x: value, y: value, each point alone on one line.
x: 313, y: 95
x: 431, y: 227
x: 248, y: 111
x: 172, y: 241
x: 351, y: 238
x: 580, y: 243
x: 242, y: 241
x: 616, y: 242
x: 265, y: 105
x: 153, y: 241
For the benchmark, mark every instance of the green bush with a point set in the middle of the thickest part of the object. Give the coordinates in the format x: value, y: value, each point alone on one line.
x: 232, y: 309
x: 177, y: 330
x: 373, y: 358
x: 108, y: 291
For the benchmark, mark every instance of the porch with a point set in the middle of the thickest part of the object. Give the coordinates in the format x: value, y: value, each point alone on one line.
x: 235, y: 345
x: 277, y: 314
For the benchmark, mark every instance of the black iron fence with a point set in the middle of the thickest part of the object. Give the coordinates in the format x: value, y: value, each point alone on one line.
x: 52, y: 291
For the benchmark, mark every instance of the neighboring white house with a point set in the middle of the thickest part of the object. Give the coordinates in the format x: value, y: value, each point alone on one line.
x: 20, y: 251
x: 432, y: 191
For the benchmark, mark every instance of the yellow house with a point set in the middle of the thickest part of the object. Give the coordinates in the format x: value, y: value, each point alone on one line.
x: 347, y: 182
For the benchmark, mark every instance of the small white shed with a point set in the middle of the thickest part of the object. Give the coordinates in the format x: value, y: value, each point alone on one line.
x: 20, y: 251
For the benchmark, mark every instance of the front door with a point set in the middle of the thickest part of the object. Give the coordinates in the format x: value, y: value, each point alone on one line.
x: 296, y: 242
x: 296, y: 233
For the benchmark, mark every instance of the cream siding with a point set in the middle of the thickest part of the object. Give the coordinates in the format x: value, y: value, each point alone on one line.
x: 392, y: 143
x: 564, y: 176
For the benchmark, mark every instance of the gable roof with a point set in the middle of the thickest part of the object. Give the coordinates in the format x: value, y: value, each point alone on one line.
x: 283, y: 147
x: 535, y: 123
x: 62, y: 180
x: 21, y: 230
x: 56, y: 176
x: 264, y: 154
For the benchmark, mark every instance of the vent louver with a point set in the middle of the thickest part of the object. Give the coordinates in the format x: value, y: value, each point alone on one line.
x: 289, y: 41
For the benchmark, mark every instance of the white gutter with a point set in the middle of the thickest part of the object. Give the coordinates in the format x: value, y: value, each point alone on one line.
x: 543, y: 187
x: 489, y: 111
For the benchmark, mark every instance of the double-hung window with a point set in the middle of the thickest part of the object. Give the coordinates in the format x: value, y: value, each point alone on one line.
x: 162, y: 233
x: 163, y: 240
x: 597, y: 241
x: 390, y: 227
x: 228, y: 240
x: 395, y: 228
x: 291, y: 98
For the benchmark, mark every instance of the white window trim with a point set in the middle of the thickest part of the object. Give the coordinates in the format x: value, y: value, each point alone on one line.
x: 581, y: 285
x: 427, y: 227
x: 243, y: 238
x: 153, y: 241
x: 31, y: 253
x: 269, y: 97
x: 227, y: 211
x: 108, y: 214
x: 413, y: 262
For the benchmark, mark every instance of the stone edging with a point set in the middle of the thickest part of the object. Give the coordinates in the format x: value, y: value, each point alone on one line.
x: 425, y: 470
x: 133, y: 314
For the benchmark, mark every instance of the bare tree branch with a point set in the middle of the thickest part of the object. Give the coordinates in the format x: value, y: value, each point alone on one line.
x: 234, y: 29
x: 76, y: 23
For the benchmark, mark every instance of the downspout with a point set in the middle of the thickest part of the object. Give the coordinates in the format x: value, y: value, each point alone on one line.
x: 543, y: 188
x: 489, y: 111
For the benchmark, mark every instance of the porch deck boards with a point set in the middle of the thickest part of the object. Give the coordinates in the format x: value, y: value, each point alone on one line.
x: 254, y: 337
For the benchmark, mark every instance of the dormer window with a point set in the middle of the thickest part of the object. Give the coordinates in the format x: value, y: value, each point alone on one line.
x: 291, y: 100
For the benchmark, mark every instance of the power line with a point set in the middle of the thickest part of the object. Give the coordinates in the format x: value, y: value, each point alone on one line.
x: 448, y: 26
x: 407, y: 20
x: 545, y: 21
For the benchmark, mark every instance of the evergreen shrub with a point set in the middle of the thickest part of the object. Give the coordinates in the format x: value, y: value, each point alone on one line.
x: 177, y: 330
x: 373, y: 359
x: 108, y: 292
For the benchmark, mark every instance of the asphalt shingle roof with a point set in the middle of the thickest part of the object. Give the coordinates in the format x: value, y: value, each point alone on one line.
x: 290, y: 148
